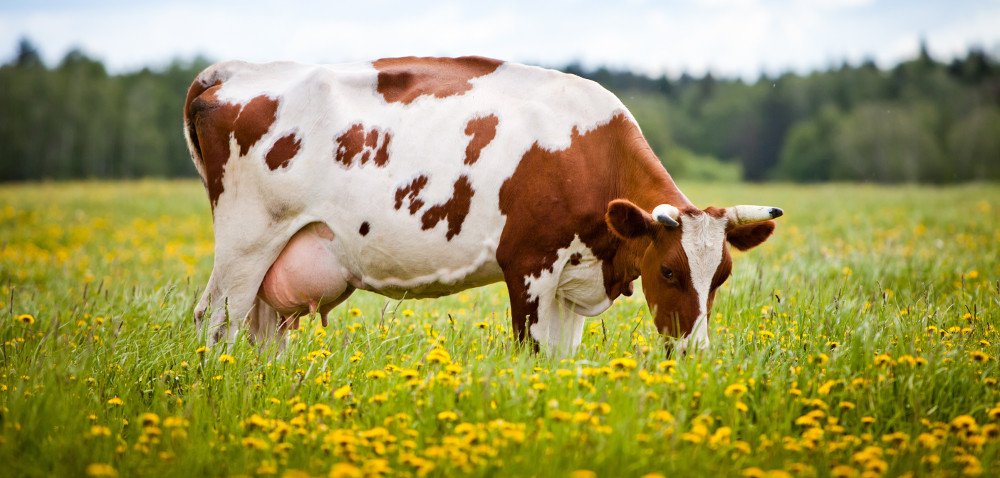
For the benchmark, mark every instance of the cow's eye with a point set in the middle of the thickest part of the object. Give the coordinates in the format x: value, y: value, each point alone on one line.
x: 666, y: 272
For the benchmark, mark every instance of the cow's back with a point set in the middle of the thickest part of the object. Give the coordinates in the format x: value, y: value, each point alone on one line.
x: 403, y: 159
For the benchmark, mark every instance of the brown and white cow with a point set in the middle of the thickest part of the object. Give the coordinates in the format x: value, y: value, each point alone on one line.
x: 420, y: 177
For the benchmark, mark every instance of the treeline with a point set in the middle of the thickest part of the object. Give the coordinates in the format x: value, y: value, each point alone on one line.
x: 921, y: 121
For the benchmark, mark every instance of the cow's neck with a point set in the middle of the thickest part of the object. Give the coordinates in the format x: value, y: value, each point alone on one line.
x: 643, y: 180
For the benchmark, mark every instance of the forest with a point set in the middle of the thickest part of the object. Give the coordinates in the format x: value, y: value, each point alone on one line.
x: 922, y: 120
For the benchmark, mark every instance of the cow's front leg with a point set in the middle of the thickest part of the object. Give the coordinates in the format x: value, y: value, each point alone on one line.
x: 543, y: 318
x: 559, y: 329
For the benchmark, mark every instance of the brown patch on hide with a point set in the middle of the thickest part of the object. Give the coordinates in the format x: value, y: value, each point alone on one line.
x: 282, y: 152
x: 412, y: 192
x: 363, y: 145
x: 482, y: 130
x: 405, y: 79
x: 453, y: 210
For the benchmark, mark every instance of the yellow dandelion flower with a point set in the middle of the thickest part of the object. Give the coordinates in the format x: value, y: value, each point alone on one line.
x: 447, y: 416
x: 735, y: 390
x: 963, y: 422
x: 994, y: 413
x: 582, y: 474
x: 255, y: 443
x: 753, y: 472
x: 868, y: 420
x: 407, y: 313
x: 883, y: 359
x: 376, y: 374
x: 115, y: 402
x: 742, y: 406
x: 342, y: 392
x: 99, y: 431
x: 226, y: 358
x: 149, y: 419
x: 843, y: 471
x: 345, y: 470
x: 25, y: 319
x: 101, y: 470
x: 355, y: 312
x: 624, y: 363
x: 439, y: 355
x: 979, y: 356
x: 201, y: 350
x: 991, y: 431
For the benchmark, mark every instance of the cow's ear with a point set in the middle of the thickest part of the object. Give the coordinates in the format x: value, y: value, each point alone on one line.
x: 749, y: 236
x: 628, y: 221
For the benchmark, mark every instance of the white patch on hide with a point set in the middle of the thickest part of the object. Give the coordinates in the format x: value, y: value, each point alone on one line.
x: 702, y: 238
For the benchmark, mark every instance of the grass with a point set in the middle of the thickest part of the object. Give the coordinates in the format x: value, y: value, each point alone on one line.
x: 861, y: 340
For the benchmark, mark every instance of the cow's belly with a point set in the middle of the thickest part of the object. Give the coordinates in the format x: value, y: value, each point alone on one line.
x: 423, y: 268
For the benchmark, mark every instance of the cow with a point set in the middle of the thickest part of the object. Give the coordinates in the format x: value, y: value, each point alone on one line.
x: 420, y: 177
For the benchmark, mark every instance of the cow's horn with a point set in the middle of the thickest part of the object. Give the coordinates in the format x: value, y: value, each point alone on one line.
x: 739, y: 215
x: 667, y: 215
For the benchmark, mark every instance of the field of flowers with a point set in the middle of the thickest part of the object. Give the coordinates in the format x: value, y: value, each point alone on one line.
x: 861, y: 340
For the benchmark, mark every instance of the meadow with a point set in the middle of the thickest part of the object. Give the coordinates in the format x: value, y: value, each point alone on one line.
x: 861, y: 340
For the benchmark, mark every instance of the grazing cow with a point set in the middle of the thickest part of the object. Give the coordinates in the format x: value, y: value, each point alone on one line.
x: 421, y: 177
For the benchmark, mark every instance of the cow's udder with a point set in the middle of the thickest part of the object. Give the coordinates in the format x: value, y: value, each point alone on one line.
x: 306, y: 277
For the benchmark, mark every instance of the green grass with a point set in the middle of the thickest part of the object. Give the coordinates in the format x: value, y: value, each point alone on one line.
x: 862, y: 338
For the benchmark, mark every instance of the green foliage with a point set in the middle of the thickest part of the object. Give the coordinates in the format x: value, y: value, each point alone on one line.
x: 860, y: 339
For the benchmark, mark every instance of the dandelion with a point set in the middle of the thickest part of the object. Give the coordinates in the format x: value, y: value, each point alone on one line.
x: 439, y: 355
x: 843, y: 471
x: 149, y: 419
x: 742, y: 406
x: 115, y: 402
x: 342, y: 392
x: 101, y: 470
x: 355, y: 312
x: 582, y: 474
x: 882, y: 359
x: 963, y: 422
x: 753, y: 472
x: 868, y: 420
x: 27, y: 319
x: 447, y: 416
x: 345, y: 470
x: 623, y: 363
x: 979, y: 356
x: 407, y: 313
x: 201, y: 350
x: 376, y: 374
x: 255, y: 443
x: 735, y: 390
x: 99, y: 431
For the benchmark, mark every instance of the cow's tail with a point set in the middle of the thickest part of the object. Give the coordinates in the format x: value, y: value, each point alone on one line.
x: 208, y: 78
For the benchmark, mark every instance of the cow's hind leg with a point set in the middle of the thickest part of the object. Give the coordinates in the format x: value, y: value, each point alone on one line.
x: 239, y: 268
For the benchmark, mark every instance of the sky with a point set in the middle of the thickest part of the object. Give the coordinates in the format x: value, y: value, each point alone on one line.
x: 729, y: 38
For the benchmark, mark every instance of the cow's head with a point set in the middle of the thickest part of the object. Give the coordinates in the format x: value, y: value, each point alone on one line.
x: 683, y: 257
